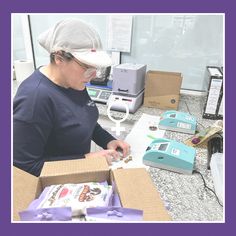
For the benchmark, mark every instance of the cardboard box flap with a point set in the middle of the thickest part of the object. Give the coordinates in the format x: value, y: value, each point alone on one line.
x: 75, y: 171
x: 25, y: 187
x: 136, y: 190
x: 74, y: 166
x: 164, y: 73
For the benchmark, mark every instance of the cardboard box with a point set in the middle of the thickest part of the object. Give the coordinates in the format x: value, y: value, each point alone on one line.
x: 134, y: 186
x: 162, y: 89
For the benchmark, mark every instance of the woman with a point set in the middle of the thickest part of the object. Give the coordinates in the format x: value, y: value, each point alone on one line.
x: 54, y: 118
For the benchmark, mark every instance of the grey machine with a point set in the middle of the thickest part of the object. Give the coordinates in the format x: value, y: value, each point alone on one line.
x: 128, y: 86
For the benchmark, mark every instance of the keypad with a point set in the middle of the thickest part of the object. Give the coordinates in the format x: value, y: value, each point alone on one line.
x: 105, y: 95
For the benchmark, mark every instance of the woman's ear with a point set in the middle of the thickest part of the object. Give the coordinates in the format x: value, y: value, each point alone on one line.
x: 58, y: 59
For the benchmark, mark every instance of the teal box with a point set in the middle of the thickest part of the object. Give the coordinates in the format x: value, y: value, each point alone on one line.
x: 170, y: 155
x: 178, y: 121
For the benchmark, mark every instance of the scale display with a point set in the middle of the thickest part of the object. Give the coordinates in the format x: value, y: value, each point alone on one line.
x: 99, y: 95
x: 93, y: 92
x: 160, y: 146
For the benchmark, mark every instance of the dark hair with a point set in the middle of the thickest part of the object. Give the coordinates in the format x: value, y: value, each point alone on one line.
x: 65, y: 55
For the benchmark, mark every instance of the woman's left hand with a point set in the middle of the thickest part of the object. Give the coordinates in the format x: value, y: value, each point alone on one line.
x: 119, y: 144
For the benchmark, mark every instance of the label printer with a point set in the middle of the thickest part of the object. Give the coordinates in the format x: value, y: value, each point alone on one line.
x: 170, y: 155
x: 128, y: 86
x: 178, y: 121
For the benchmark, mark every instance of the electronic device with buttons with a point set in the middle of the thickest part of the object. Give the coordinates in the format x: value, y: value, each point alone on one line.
x: 99, y: 94
x: 100, y: 88
x: 133, y: 102
x: 128, y: 86
x: 178, y: 121
x: 170, y: 155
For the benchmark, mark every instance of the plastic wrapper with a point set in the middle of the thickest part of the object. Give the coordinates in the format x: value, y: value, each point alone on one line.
x: 107, y: 214
x: 76, y: 197
x: 47, y: 214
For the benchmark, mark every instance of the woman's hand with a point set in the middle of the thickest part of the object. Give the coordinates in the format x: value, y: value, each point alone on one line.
x: 119, y: 144
x: 110, y: 155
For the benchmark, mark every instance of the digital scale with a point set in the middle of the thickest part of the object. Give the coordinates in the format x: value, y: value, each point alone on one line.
x: 100, y: 94
x: 126, y: 87
x: 133, y: 102
x: 106, y: 96
x: 170, y: 155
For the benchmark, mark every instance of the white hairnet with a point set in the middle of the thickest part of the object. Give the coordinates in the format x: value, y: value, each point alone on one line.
x: 78, y: 38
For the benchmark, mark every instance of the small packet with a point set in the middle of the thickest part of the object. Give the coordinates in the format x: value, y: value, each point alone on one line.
x: 47, y: 214
x: 107, y: 214
x: 204, y: 135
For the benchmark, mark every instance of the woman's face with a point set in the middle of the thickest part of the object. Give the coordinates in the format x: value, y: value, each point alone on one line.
x: 76, y: 74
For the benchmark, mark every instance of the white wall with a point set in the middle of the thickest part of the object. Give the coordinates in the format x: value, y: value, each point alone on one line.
x: 18, y: 45
x: 170, y: 42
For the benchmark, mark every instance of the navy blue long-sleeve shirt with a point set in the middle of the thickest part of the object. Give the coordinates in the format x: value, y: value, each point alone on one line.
x: 53, y: 123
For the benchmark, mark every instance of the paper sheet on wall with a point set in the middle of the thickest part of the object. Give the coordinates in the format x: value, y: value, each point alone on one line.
x: 119, y: 30
x: 139, y: 139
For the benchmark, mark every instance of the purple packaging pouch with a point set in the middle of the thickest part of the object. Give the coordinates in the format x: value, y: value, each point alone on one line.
x: 47, y: 214
x: 36, y: 213
x: 114, y: 214
x: 35, y: 203
x: 115, y: 199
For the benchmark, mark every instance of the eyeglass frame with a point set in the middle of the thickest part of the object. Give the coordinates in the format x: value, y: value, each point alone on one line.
x: 84, y: 66
x: 69, y: 56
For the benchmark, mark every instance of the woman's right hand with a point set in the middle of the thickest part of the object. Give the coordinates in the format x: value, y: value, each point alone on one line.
x: 109, y: 154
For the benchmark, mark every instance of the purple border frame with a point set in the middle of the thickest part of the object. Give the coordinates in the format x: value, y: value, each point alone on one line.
x: 105, y: 6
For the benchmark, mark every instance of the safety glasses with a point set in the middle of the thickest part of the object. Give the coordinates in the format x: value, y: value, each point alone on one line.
x: 89, y: 70
x: 84, y: 66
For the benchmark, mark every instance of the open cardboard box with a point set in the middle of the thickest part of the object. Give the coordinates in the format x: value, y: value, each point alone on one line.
x: 162, y: 89
x: 134, y: 186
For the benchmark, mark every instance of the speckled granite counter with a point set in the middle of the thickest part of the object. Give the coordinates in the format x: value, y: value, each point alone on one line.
x: 185, y: 197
